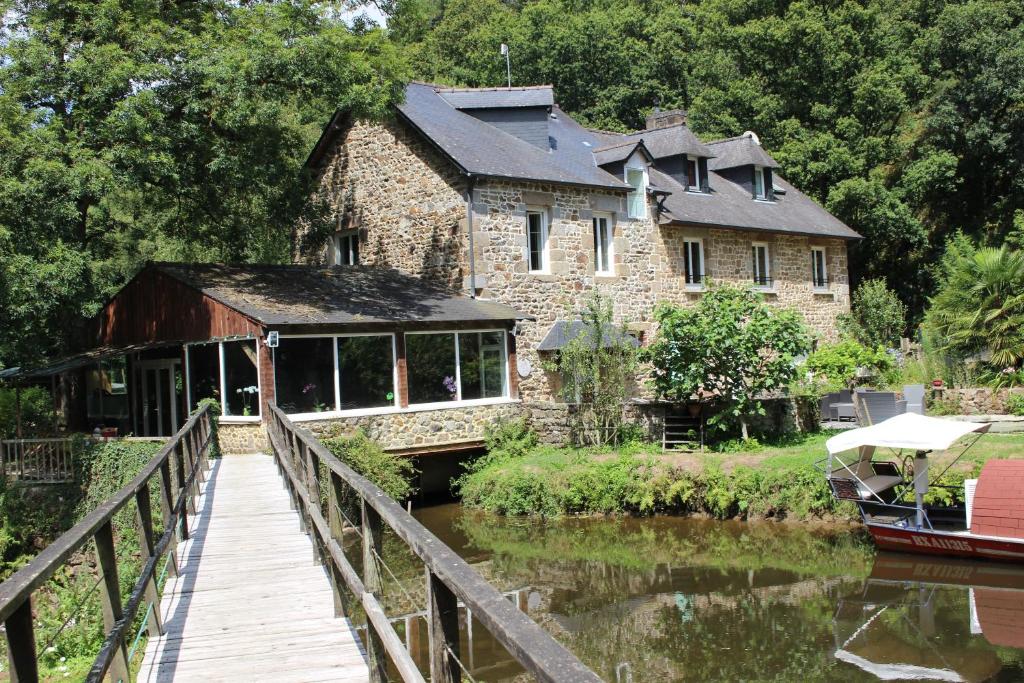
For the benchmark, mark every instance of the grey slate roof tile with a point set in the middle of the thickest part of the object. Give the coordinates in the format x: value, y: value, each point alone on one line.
x: 739, y: 151
x: 487, y: 98
x: 337, y: 295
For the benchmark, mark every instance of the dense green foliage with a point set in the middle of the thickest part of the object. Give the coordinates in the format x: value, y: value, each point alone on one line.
x: 36, y: 412
x: 597, y: 369
x: 978, y: 310
x: 904, y: 119
x: 730, y: 348
x: 838, y: 363
x: 877, y: 317
x: 392, y: 473
x: 1015, y: 404
x: 133, y: 131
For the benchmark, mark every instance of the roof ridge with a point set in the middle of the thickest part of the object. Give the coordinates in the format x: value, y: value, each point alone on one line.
x: 624, y: 143
x: 732, y: 139
x: 681, y: 124
x: 455, y: 88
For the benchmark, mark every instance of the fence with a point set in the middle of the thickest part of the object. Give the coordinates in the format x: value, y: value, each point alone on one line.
x: 39, y: 461
x: 179, y: 468
x: 304, y: 461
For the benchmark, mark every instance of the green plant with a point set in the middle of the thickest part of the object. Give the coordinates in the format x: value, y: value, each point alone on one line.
x: 215, y: 412
x: 597, y: 368
x: 943, y: 405
x: 1015, y: 404
x: 838, y: 363
x: 730, y: 348
x: 978, y: 311
x: 37, y: 416
x: 877, y: 317
x: 392, y: 473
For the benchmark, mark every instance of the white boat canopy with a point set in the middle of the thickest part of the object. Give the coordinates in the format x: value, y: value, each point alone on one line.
x: 909, y: 430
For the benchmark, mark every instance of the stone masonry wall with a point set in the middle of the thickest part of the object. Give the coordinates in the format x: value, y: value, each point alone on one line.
x: 980, y: 401
x: 405, y: 200
x: 409, y: 204
x: 240, y: 439
x: 421, y: 428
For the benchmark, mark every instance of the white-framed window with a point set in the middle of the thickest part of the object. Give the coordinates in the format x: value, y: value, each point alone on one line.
x: 227, y: 371
x: 693, y: 262
x: 346, y: 373
x: 762, y: 265
x: 692, y: 174
x: 819, y: 270
x: 636, y: 200
x: 345, y: 248
x: 537, y: 240
x: 760, y: 187
x: 604, y: 248
x: 446, y: 367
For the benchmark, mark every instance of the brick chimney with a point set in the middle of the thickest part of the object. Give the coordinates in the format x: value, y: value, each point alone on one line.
x: 664, y: 119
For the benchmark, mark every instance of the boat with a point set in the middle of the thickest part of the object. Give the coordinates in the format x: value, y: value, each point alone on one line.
x: 885, y: 468
x: 932, y: 618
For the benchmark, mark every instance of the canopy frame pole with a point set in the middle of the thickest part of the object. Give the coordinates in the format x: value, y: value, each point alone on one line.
x: 957, y: 458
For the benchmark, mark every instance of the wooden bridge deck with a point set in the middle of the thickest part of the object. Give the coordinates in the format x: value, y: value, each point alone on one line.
x: 249, y: 604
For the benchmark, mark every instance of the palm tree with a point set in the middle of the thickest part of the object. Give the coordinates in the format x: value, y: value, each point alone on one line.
x: 979, y: 308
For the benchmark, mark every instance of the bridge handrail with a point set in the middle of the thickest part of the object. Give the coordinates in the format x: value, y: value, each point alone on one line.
x: 449, y: 578
x: 190, y: 444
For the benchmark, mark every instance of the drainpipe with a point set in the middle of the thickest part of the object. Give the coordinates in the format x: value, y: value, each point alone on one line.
x: 470, y: 182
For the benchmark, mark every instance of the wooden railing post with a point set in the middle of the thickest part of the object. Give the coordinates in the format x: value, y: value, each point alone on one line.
x: 372, y: 530
x: 143, y: 507
x: 337, y: 527
x: 110, y: 596
x: 311, y: 466
x: 167, y: 511
x: 21, y: 644
x: 442, y: 631
x: 178, y: 453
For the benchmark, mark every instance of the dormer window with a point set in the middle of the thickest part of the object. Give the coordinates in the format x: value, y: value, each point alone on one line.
x: 692, y: 177
x: 636, y: 200
x: 762, y: 183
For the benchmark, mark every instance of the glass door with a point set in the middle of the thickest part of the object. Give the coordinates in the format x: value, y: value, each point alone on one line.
x: 159, y: 396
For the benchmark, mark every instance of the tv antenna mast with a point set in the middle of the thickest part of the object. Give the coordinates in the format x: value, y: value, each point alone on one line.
x: 508, y: 64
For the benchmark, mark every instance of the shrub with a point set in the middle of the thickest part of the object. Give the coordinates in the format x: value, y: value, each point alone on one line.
x: 838, y: 363
x: 1015, y: 404
x: 392, y: 473
x: 36, y: 412
x: 877, y: 316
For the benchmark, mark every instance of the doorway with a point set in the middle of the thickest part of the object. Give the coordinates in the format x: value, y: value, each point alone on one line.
x: 157, y: 398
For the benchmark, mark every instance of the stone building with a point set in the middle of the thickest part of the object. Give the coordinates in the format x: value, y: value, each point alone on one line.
x: 502, y: 194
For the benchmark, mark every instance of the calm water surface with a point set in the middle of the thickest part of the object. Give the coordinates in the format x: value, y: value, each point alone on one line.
x: 673, y: 599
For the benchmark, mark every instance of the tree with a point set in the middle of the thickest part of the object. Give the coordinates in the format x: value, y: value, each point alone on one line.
x: 597, y: 367
x: 979, y: 308
x: 136, y: 131
x: 731, y: 347
x: 877, y: 316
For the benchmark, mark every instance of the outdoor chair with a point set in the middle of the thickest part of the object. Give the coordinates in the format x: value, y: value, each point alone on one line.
x: 825, y: 406
x: 878, y: 406
x: 914, y: 395
x: 843, y: 407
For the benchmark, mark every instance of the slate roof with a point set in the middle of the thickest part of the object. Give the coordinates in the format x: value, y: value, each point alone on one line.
x: 620, y: 152
x: 739, y: 151
x: 489, y: 98
x: 564, y: 331
x: 320, y: 295
x: 481, y: 149
x: 666, y: 142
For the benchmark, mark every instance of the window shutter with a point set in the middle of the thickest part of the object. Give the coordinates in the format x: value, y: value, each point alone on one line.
x: 702, y: 173
x: 768, y: 193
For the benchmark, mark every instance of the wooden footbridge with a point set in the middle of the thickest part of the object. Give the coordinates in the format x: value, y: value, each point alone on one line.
x: 227, y: 591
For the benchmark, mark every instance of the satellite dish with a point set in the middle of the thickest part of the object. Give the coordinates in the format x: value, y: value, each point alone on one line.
x: 524, y: 367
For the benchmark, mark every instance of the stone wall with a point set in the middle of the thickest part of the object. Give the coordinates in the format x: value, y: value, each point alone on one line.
x: 406, y: 202
x: 980, y: 401
x: 239, y: 438
x: 420, y: 428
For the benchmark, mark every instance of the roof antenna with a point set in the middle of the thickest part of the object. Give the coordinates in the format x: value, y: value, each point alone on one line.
x: 508, y: 64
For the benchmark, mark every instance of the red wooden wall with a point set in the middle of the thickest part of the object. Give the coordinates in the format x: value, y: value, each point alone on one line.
x: 155, y: 307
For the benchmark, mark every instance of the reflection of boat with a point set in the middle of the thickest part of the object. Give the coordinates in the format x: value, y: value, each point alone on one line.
x: 911, y: 623
x: 991, y: 523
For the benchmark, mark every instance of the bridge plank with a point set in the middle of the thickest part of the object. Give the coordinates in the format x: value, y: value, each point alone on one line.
x: 248, y: 603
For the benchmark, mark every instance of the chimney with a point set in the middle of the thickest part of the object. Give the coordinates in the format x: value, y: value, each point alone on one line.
x: 664, y: 119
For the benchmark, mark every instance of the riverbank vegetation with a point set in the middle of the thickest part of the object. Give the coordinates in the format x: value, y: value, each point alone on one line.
x: 745, y: 480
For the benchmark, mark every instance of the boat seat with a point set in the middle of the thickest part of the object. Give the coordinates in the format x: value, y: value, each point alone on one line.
x: 877, y: 483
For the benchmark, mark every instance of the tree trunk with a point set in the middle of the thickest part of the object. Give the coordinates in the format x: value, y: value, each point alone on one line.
x: 743, y: 428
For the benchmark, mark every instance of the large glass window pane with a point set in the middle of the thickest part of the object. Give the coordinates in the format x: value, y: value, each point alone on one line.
x: 304, y: 373
x: 204, y: 372
x: 240, y: 377
x: 366, y: 371
x: 537, y: 238
x: 636, y: 200
x: 430, y: 359
x: 482, y: 364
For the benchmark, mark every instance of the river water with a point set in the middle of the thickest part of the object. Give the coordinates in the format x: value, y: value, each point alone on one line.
x: 678, y: 599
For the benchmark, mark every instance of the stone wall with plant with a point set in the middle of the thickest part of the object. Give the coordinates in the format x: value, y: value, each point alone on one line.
x: 978, y: 401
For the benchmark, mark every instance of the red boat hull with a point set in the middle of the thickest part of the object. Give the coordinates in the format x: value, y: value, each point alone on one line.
x: 928, y: 542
